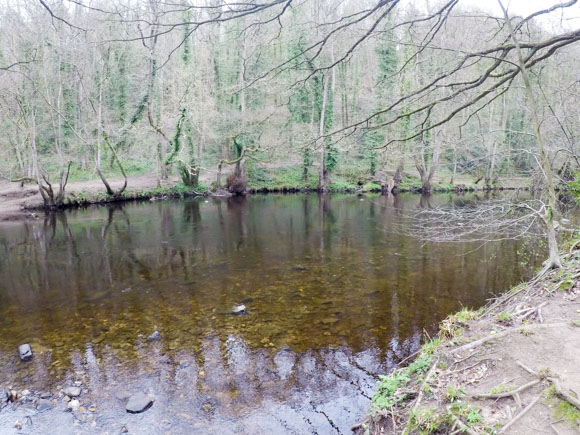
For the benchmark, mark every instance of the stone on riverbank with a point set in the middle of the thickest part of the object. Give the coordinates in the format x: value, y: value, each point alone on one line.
x: 73, y: 391
x: 25, y: 352
x: 139, y: 402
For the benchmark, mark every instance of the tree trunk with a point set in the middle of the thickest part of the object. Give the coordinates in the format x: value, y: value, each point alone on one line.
x: 323, y: 177
x: 554, y: 255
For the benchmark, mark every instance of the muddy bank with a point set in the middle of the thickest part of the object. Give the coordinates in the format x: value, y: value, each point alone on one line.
x: 509, y: 367
x: 23, y: 201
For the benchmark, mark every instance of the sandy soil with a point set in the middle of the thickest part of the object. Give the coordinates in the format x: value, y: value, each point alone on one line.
x: 513, y: 353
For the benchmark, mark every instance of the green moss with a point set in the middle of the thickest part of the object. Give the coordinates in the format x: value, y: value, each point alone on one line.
x: 501, y: 388
x: 567, y: 412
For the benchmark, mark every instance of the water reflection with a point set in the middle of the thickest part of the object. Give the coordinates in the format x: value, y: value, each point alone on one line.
x: 335, y: 295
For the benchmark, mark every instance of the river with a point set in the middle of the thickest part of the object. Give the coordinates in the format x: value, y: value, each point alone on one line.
x: 336, y: 293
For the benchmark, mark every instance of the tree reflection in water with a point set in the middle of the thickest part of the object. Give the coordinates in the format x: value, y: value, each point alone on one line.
x: 335, y: 296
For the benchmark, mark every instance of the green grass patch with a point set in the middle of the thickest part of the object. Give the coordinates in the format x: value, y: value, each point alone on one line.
x: 503, y: 317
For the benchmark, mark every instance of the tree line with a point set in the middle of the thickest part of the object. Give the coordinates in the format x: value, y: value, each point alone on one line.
x: 372, y: 89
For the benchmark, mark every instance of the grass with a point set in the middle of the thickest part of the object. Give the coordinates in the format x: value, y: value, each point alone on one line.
x: 431, y: 420
x: 178, y: 191
x: 451, y: 328
x: 292, y: 177
x: 389, y: 387
x: 503, y: 317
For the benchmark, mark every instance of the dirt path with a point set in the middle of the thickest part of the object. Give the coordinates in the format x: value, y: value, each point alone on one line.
x: 512, y: 368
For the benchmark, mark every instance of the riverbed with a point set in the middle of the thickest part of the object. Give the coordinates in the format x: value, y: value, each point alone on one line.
x: 335, y: 291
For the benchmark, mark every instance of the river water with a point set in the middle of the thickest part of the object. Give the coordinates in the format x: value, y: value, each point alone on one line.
x: 336, y: 293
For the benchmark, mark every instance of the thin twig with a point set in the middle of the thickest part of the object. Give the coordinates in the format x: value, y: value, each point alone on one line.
x: 521, y: 414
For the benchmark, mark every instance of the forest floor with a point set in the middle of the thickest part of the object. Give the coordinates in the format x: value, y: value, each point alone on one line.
x: 511, y: 367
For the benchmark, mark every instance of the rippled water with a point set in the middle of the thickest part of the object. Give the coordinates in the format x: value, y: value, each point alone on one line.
x: 336, y: 294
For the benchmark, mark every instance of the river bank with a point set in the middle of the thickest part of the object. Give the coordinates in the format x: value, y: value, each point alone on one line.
x: 23, y: 201
x: 509, y: 367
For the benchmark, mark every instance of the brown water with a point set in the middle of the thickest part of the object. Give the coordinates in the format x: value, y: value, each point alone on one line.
x: 336, y: 294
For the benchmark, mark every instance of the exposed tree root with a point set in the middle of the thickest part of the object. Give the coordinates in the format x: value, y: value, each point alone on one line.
x: 520, y: 415
x: 507, y: 393
x: 556, y: 382
x: 427, y: 378
x: 484, y: 340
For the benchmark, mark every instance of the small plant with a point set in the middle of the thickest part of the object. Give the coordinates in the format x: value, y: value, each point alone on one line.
x: 454, y: 393
x: 504, y: 317
x: 466, y: 314
x: 430, y: 347
x: 525, y: 331
x: 473, y: 416
x: 387, y: 394
x: 421, y: 364
x: 427, y: 421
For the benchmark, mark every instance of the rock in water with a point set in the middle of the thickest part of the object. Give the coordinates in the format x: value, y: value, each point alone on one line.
x: 239, y: 309
x: 43, y: 405
x: 138, y: 403
x: 156, y: 336
x: 25, y: 352
x: 74, y: 405
x: 72, y: 391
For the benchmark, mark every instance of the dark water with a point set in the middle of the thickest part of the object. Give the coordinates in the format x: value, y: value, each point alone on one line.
x: 336, y: 294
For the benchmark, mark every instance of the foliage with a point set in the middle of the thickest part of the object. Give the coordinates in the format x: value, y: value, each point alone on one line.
x: 372, y: 187
x: 428, y: 420
x: 454, y: 393
x: 389, y: 388
x: 574, y: 186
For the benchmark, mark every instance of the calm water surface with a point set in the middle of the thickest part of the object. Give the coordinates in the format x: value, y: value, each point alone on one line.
x: 336, y: 294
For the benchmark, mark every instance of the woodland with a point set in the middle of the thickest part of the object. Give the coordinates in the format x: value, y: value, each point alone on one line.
x: 312, y: 94
x: 148, y: 99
